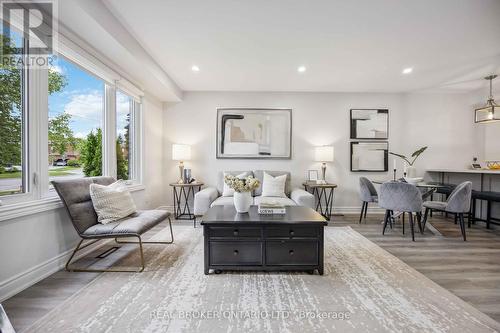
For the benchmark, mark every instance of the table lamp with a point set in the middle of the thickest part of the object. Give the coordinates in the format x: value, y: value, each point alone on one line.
x: 181, y: 153
x: 323, y: 154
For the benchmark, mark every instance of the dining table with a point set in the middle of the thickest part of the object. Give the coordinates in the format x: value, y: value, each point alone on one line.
x: 426, y: 188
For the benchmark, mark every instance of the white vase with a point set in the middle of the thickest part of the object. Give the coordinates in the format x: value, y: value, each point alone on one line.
x: 242, y: 201
x: 411, y: 172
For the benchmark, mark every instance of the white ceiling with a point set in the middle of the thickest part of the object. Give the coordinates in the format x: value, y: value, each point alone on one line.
x: 355, y: 45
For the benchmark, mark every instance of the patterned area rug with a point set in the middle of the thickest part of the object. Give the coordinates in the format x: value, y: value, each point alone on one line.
x: 364, y: 289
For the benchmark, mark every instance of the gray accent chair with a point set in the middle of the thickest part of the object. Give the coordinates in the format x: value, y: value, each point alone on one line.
x: 212, y: 196
x: 401, y: 197
x: 458, y: 203
x: 75, y: 195
x: 367, y: 193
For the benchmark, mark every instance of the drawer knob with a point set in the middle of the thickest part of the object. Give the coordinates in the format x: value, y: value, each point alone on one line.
x: 235, y: 232
x: 292, y: 233
x: 291, y: 252
x: 235, y: 252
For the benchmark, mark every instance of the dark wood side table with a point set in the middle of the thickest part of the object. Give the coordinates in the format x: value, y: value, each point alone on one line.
x: 182, y: 193
x: 324, y: 196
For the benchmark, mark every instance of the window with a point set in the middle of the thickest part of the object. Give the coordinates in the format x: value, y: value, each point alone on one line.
x: 13, y: 161
x: 127, y: 117
x: 76, y: 109
x: 67, y: 120
x: 124, y: 106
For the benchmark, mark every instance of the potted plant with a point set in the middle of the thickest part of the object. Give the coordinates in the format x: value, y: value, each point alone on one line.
x: 242, y: 188
x: 411, y: 171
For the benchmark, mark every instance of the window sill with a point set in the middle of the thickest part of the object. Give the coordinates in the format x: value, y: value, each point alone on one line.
x: 12, y: 211
x: 16, y: 210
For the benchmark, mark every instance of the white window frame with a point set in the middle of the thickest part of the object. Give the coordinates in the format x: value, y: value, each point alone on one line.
x: 135, y: 140
x: 38, y: 195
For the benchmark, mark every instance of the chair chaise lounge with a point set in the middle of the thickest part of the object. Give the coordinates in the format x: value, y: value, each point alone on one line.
x: 75, y: 194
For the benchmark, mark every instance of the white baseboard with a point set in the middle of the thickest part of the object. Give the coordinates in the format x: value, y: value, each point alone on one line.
x: 26, y: 279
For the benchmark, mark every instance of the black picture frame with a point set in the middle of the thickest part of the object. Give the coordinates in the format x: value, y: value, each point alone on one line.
x: 353, y: 124
x: 386, y: 156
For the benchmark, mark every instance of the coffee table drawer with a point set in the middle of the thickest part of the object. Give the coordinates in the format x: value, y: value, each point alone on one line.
x: 291, y: 231
x: 235, y: 253
x: 235, y: 232
x: 292, y: 253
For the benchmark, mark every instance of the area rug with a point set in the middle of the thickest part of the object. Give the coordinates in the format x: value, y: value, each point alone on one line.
x: 364, y: 289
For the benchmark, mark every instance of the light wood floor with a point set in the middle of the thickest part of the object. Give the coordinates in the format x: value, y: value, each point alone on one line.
x: 470, y: 270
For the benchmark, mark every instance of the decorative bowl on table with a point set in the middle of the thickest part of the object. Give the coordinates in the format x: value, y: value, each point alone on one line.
x: 493, y: 165
x: 414, y: 180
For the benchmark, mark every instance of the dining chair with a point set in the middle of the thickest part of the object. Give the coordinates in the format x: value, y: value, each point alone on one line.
x: 458, y: 203
x: 401, y: 197
x: 367, y: 193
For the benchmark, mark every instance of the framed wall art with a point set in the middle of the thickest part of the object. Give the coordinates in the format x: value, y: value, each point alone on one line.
x: 254, y: 133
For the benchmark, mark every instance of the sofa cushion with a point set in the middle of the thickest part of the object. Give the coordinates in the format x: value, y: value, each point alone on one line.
x: 259, y: 174
x: 223, y: 201
x: 220, y: 178
x: 134, y: 225
x: 273, y: 186
x: 277, y: 200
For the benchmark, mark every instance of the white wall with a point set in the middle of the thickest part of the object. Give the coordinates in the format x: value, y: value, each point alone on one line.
x: 444, y: 122
x: 36, y: 246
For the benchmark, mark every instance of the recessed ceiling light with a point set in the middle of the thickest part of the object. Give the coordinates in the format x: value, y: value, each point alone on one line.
x: 301, y: 69
x: 408, y: 70
x: 195, y: 68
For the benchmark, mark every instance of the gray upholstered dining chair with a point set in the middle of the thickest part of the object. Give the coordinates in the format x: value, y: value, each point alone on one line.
x: 401, y: 197
x: 367, y: 193
x: 75, y: 194
x: 458, y: 203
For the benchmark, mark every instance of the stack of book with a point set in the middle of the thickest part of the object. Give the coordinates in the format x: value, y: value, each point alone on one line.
x: 271, y: 208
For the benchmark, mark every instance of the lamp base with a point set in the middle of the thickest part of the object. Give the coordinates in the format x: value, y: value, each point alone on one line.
x: 323, y: 172
x: 181, y: 171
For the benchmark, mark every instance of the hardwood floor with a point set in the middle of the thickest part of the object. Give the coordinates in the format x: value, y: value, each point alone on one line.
x: 470, y: 270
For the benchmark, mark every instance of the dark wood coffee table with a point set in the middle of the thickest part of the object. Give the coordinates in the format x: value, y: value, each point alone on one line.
x: 293, y: 241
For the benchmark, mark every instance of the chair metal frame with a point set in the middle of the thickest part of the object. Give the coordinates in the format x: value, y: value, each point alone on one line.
x: 95, y: 240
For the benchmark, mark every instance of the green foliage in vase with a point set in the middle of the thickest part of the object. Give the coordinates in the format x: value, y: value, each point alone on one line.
x: 414, y: 155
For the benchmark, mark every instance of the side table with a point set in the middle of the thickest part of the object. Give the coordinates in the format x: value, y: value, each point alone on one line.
x: 324, y: 196
x: 182, y: 193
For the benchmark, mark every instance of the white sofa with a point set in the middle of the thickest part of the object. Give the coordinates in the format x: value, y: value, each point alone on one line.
x: 211, y: 196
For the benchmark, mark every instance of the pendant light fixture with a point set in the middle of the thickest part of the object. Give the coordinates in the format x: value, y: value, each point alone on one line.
x: 491, y: 111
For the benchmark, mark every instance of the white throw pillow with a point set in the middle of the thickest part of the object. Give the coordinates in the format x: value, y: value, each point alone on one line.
x: 112, y: 202
x: 227, y: 191
x: 273, y: 186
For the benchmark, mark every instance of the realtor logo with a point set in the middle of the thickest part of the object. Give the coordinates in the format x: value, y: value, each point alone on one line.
x: 29, y: 27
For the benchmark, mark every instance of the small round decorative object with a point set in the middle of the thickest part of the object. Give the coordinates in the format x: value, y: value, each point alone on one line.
x: 493, y: 165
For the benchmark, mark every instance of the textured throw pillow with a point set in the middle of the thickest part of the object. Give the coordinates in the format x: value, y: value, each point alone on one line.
x: 273, y: 186
x: 227, y: 191
x: 112, y: 202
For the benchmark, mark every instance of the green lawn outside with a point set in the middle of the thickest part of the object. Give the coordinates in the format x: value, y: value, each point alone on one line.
x: 16, y: 174
x: 63, y: 171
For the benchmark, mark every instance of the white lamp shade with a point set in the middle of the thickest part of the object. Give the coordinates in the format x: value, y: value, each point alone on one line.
x: 181, y: 152
x: 323, y: 154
